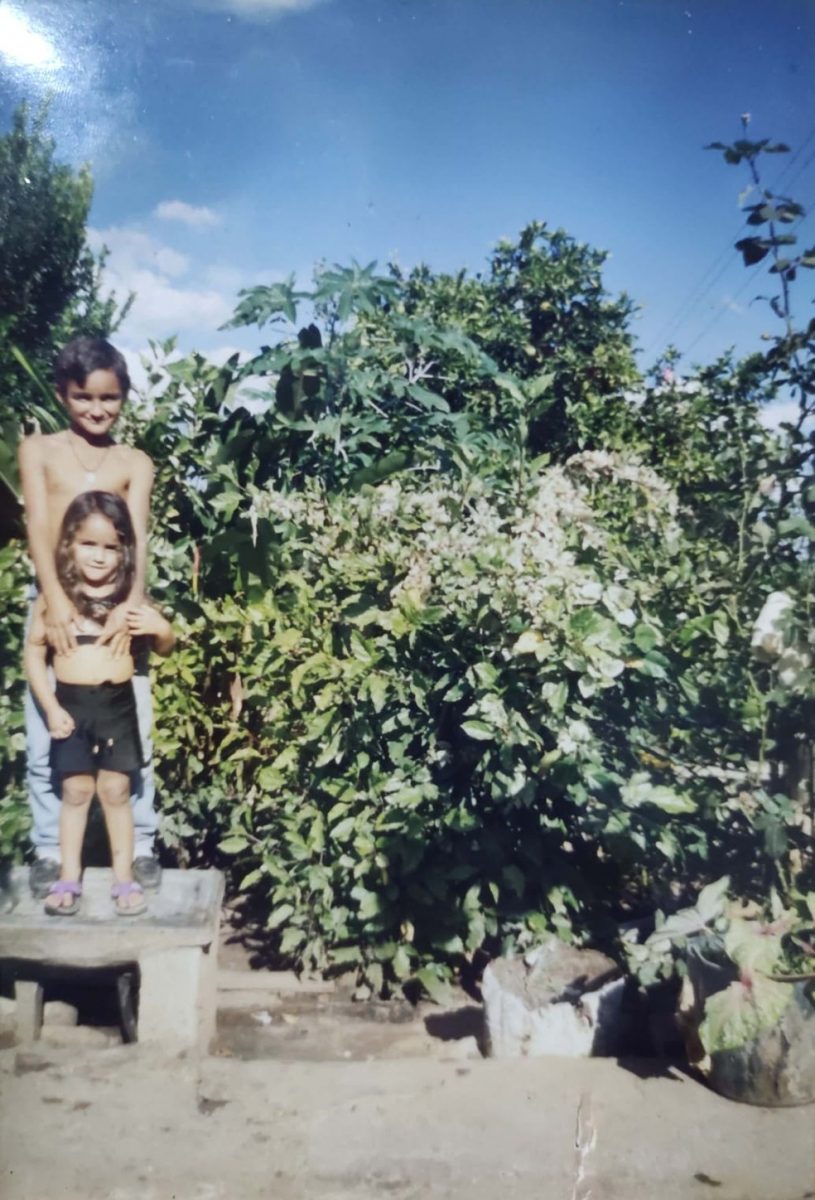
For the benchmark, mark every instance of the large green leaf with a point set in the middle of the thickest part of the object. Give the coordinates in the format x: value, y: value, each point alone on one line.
x: 742, y: 1012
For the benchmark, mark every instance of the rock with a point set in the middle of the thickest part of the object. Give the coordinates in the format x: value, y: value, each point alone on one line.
x: 7, y: 1007
x: 776, y: 1069
x: 55, y: 1012
x: 557, y: 1000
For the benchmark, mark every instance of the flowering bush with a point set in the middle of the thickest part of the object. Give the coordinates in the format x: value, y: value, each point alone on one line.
x: 444, y: 721
x: 425, y: 707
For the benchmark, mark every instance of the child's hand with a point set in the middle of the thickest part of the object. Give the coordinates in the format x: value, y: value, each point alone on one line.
x: 144, y: 621
x: 116, y: 632
x: 59, y: 617
x: 60, y: 723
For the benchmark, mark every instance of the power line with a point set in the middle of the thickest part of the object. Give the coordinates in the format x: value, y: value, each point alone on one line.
x: 713, y: 273
x: 757, y: 270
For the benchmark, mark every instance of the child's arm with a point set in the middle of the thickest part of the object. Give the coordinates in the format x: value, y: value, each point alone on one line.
x: 140, y: 487
x: 138, y: 501
x: 145, y: 621
x: 59, y: 611
x: 60, y: 723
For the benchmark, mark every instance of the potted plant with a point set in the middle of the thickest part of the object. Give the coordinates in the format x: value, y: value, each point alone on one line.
x: 747, y: 1006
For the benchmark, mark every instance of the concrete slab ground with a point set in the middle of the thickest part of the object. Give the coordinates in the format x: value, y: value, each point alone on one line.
x: 129, y: 1124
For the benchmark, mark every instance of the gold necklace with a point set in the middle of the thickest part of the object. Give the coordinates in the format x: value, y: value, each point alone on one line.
x: 90, y: 475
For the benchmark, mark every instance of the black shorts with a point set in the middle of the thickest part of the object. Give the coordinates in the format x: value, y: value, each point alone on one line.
x: 106, y: 736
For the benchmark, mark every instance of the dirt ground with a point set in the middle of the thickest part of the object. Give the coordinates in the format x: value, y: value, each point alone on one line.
x: 309, y: 1096
x: 117, y: 1124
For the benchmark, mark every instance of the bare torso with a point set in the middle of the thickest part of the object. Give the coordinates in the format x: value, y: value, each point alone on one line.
x: 88, y: 663
x: 66, y: 476
x: 92, y: 664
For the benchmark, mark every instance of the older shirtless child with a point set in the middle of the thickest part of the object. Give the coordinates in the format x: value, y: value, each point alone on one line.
x: 92, y: 383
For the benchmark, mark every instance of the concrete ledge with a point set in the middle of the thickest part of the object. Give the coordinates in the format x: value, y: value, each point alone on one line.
x: 184, y: 912
x: 175, y: 944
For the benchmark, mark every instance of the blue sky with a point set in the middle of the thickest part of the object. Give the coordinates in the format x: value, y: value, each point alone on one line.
x: 235, y: 141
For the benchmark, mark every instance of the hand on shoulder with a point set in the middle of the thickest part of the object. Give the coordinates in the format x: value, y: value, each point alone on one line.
x: 144, y: 620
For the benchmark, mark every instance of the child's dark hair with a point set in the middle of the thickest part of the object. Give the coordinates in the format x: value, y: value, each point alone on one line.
x: 113, y: 507
x: 80, y: 357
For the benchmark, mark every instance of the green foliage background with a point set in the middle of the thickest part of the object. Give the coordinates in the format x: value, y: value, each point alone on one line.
x: 464, y: 607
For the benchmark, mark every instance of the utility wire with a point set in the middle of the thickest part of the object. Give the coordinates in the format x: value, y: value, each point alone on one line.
x: 756, y: 271
x: 713, y: 273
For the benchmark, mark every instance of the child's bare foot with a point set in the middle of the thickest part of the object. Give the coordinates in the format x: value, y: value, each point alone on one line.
x: 128, y: 897
x: 63, y: 898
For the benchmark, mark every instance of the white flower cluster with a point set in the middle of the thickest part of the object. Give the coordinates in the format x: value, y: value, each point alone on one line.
x: 460, y: 548
x: 542, y: 540
x: 463, y: 547
x: 774, y: 641
x: 306, y: 508
x: 596, y: 465
x: 285, y: 506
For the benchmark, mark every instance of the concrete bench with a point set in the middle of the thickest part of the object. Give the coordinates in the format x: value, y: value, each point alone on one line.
x: 174, y: 945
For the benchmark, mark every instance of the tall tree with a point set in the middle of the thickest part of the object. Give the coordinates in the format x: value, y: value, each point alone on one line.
x: 49, y: 284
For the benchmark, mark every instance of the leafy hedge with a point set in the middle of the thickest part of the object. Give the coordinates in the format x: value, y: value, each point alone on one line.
x: 464, y: 610
x: 432, y: 698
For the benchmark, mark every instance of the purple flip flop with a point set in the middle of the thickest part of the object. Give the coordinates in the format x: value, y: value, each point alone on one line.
x: 60, y: 888
x: 129, y: 888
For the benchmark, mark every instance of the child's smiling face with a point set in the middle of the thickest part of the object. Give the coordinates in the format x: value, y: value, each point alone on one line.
x: 93, y: 406
x: 97, y: 551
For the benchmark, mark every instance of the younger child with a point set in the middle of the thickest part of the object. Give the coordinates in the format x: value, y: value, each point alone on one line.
x: 91, y: 715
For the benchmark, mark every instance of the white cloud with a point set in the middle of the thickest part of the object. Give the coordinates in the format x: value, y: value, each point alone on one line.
x: 135, y: 366
x: 141, y: 362
x: 131, y: 250
x: 175, y: 296
x: 196, y: 216
x: 139, y: 263
x: 161, y: 308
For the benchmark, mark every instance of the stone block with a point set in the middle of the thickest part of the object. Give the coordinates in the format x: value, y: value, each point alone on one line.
x: 28, y: 1010
x: 177, y: 997
x: 555, y: 1001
